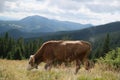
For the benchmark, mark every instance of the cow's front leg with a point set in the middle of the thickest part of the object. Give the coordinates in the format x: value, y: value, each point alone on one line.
x: 48, y: 65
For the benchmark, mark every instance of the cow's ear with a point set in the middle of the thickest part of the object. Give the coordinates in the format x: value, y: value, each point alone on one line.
x: 32, y: 57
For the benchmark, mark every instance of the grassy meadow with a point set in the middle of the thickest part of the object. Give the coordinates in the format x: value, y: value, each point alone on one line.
x: 16, y: 70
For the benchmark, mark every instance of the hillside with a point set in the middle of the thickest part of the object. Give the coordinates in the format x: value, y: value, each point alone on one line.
x: 86, y: 34
x: 33, y: 32
x: 38, y: 24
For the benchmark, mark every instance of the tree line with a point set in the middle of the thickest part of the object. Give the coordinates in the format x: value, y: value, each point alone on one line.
x: 11, y: 48
x: 17, y: 49
x: 105, y: 43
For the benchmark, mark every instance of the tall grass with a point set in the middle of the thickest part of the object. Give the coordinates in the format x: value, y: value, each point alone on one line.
x: 16, y: 70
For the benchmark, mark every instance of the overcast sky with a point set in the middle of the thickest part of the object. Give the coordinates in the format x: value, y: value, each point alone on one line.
x: 82, y: 11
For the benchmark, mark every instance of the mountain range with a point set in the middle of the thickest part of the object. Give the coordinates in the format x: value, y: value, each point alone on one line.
x: 88, y: 33
x: 33, y: 27
x: 37, y: 24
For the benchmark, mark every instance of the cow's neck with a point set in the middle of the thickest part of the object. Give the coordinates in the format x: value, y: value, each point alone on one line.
x: 38, y: 56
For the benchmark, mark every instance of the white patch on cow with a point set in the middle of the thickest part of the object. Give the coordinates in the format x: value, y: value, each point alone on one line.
x: 32, y: 60
x: 32, y: 56
x: 70, y: 42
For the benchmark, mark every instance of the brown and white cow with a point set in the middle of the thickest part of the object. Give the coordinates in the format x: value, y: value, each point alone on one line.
x: 62, y: 51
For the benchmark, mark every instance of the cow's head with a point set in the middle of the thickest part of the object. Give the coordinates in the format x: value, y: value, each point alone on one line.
x: 31, y: 63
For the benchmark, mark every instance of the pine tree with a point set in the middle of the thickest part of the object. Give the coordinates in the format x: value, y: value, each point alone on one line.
x: 17, y: 54
x: 5, y: 47
x: 21, y: 45
x: 106, y: 45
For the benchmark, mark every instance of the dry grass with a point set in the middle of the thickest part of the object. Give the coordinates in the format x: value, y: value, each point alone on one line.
x: 16, y: 70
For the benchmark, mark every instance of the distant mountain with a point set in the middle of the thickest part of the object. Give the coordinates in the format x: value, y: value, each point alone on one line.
x: 40, y: 24
x: 86, y: 34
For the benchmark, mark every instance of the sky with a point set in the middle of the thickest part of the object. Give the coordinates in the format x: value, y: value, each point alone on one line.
x: 94, y: 12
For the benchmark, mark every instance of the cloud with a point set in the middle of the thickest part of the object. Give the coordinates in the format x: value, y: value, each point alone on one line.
x: 108, y: 6
x: 82, y: 11
x: 3, y: 5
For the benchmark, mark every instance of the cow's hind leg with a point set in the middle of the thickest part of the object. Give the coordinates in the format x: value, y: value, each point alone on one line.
x: 86, y: 64
x: 78, y: 62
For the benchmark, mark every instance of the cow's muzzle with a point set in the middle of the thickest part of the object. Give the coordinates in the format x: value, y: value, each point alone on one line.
x: 29, y: 67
